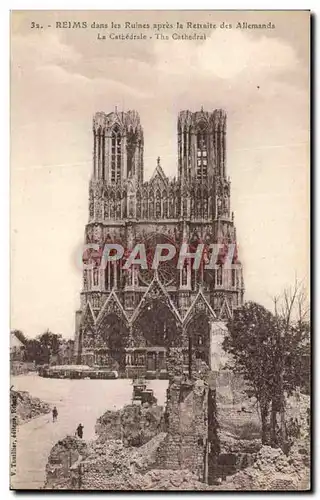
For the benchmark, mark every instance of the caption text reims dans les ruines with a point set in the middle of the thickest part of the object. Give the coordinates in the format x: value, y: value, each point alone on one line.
x: 154, y: 26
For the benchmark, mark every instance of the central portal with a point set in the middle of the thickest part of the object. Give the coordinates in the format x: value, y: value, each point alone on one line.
x: 157, y: 324
x: 156, y: 330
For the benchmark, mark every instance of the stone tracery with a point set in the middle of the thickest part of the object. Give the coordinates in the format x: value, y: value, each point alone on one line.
x: 123, y: 208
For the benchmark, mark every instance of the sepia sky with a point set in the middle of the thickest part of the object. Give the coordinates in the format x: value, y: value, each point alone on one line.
x: 60, y: 78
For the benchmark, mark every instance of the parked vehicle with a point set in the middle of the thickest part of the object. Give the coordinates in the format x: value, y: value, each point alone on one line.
x: 141, y: 394
x: 147, y: 396
x: 139, y: 386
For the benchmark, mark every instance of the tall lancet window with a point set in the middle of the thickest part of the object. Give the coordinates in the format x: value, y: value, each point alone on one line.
x: 202, y: 158
x: 233, y: 277
x: 186, y: 150
x: 115, y: 155
x: 131, y: 147
x: 185, y: 143
x: 219, y: 276
x: 95, y: 276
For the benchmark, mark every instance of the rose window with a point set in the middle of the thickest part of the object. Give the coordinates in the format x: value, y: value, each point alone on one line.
x: 167, y: 271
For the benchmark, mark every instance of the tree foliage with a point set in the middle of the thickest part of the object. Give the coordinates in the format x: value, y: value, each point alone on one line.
x: 33, y: 351
x: 50, y: 344
x: 272, y: 352
x: 46, y: 348
x: 251, y: 340
x: 41, y: 349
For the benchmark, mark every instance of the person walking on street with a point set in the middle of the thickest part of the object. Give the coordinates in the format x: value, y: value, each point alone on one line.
x: 54, y: 414
x: 80, y: 431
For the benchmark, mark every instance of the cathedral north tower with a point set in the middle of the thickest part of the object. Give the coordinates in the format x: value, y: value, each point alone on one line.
x: 117, y: 147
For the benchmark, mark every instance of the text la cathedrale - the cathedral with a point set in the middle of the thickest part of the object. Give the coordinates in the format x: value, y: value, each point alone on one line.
x: 129, y: 318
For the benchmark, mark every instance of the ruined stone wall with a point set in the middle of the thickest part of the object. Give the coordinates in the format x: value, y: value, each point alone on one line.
x: 134, y: 425
x: 186, y: 419
x: 185, y: 446
x: 108, y: 426
x: 63, y: 463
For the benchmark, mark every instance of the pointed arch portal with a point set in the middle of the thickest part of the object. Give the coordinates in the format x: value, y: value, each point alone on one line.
x: 157, y: 329
x: 114, y: 335
x: 157, y: 324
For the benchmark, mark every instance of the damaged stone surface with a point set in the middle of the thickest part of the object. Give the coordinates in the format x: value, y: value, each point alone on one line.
x: 130, y: 443
x: 26, y: 407
x: 99, y: 465
x: 134, y: 425
x: 272, y: 470
x: 113, y: 466
x: 186, y: 424
x: 165, y: 480
x: 63, y: 459
x: 144, y: 448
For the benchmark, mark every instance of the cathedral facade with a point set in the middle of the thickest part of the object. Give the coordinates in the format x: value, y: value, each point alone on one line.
x: 128, y: 319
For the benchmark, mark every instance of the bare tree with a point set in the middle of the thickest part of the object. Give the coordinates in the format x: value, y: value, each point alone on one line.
x: 292, y: 311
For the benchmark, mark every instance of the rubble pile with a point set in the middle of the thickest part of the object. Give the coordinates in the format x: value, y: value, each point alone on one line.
x: 127, y: 444
x: 230, y: 444
x: 135, y: 425
x: 167, y: 480
x: 272, y: 470
x: 156, y: 479
x: 146, y: 457
x: 66, y: 454
x: 25, y: 407
x: 128, y: 454
x: 113, y: 465
x: 108, y: 426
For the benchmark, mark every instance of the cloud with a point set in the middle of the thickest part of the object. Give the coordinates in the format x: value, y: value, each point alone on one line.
x: 60, y: 76
x: 37, y: 50
x: 52, y: 78
x: 225, y: 55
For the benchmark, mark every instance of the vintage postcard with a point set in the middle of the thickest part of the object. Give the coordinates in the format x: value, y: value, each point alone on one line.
x: 160, y: 183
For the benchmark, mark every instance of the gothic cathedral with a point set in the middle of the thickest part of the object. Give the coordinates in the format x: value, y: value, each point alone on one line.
x: 130, y: 318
